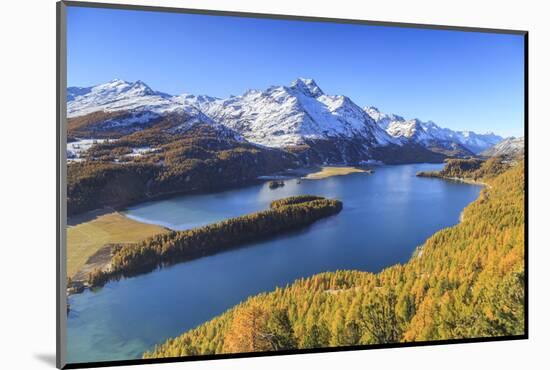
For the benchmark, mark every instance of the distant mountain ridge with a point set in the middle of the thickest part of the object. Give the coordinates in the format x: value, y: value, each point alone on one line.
x: 429, y: 134
x: 300, y: 118
x: 510, y: 147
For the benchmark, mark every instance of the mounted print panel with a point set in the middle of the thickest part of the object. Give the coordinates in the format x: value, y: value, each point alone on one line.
x: 236, y: 184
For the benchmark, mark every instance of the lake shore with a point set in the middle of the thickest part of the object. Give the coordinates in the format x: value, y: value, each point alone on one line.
x: 288, y: 174
x: 455, y: 179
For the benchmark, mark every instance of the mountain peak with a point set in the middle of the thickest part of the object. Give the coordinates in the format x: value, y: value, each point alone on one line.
x: 139, y: 83
x: 116, y: 95
x: 307, y: 86
x: 122, y: 85
x: 382, y: 118
x: 142, y: 87
x: 114, y: 83
x: 118, y: 86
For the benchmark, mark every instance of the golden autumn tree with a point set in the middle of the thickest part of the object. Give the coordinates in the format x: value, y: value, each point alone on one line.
x: 255, y: 329
x: 247, y: 332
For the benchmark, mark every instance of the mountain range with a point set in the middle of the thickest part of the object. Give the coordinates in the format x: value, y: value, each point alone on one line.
x: 300, y: 118
x: 428, y: 133
x: 510, y: 147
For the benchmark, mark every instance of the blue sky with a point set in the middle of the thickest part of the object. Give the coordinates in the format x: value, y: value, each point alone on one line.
x: 460, y: 80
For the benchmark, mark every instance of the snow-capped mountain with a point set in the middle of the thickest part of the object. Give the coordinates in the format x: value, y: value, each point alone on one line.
x: 429, y: 134
x: 478, y: 142
x: 118, y: 95
x: 300, y: 117
x: 127, y: 107
x: 510, y: 147
x: 141, y: 105
x: 282, y: 116
x: 327, y: 128
x: 279, y: 116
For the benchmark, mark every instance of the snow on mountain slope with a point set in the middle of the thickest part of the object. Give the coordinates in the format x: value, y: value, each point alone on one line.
x: 142, y: 104
x: 280, y: 116
x: 398, y: 127
x: 411, y: 129
x: 383, y: 119
x: 74, y: 92
x: 478, y: 142
x: 323, y: 128
x: 510, y: 147
x: 428, y: 133
x: 118, y: 95
x: 286, y: 116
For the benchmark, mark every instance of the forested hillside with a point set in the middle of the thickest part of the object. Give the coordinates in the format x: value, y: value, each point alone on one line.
x: 466, y: 281
x: 471, y: 169
x: 199, y: 159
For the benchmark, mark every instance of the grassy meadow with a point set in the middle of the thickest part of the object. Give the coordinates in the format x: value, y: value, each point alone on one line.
x: 85, y: 239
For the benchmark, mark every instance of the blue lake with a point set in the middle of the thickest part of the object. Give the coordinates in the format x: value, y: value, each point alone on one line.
x: 386, y: 216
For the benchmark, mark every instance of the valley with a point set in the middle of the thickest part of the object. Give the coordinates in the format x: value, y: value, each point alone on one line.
x: 149, y: 144
x: 247, y: 185
x: 220, y: 189
x: 465, y: 281
x: 377, y: 209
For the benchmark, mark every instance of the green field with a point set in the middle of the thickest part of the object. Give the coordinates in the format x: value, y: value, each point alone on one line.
x: 85, y: 239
